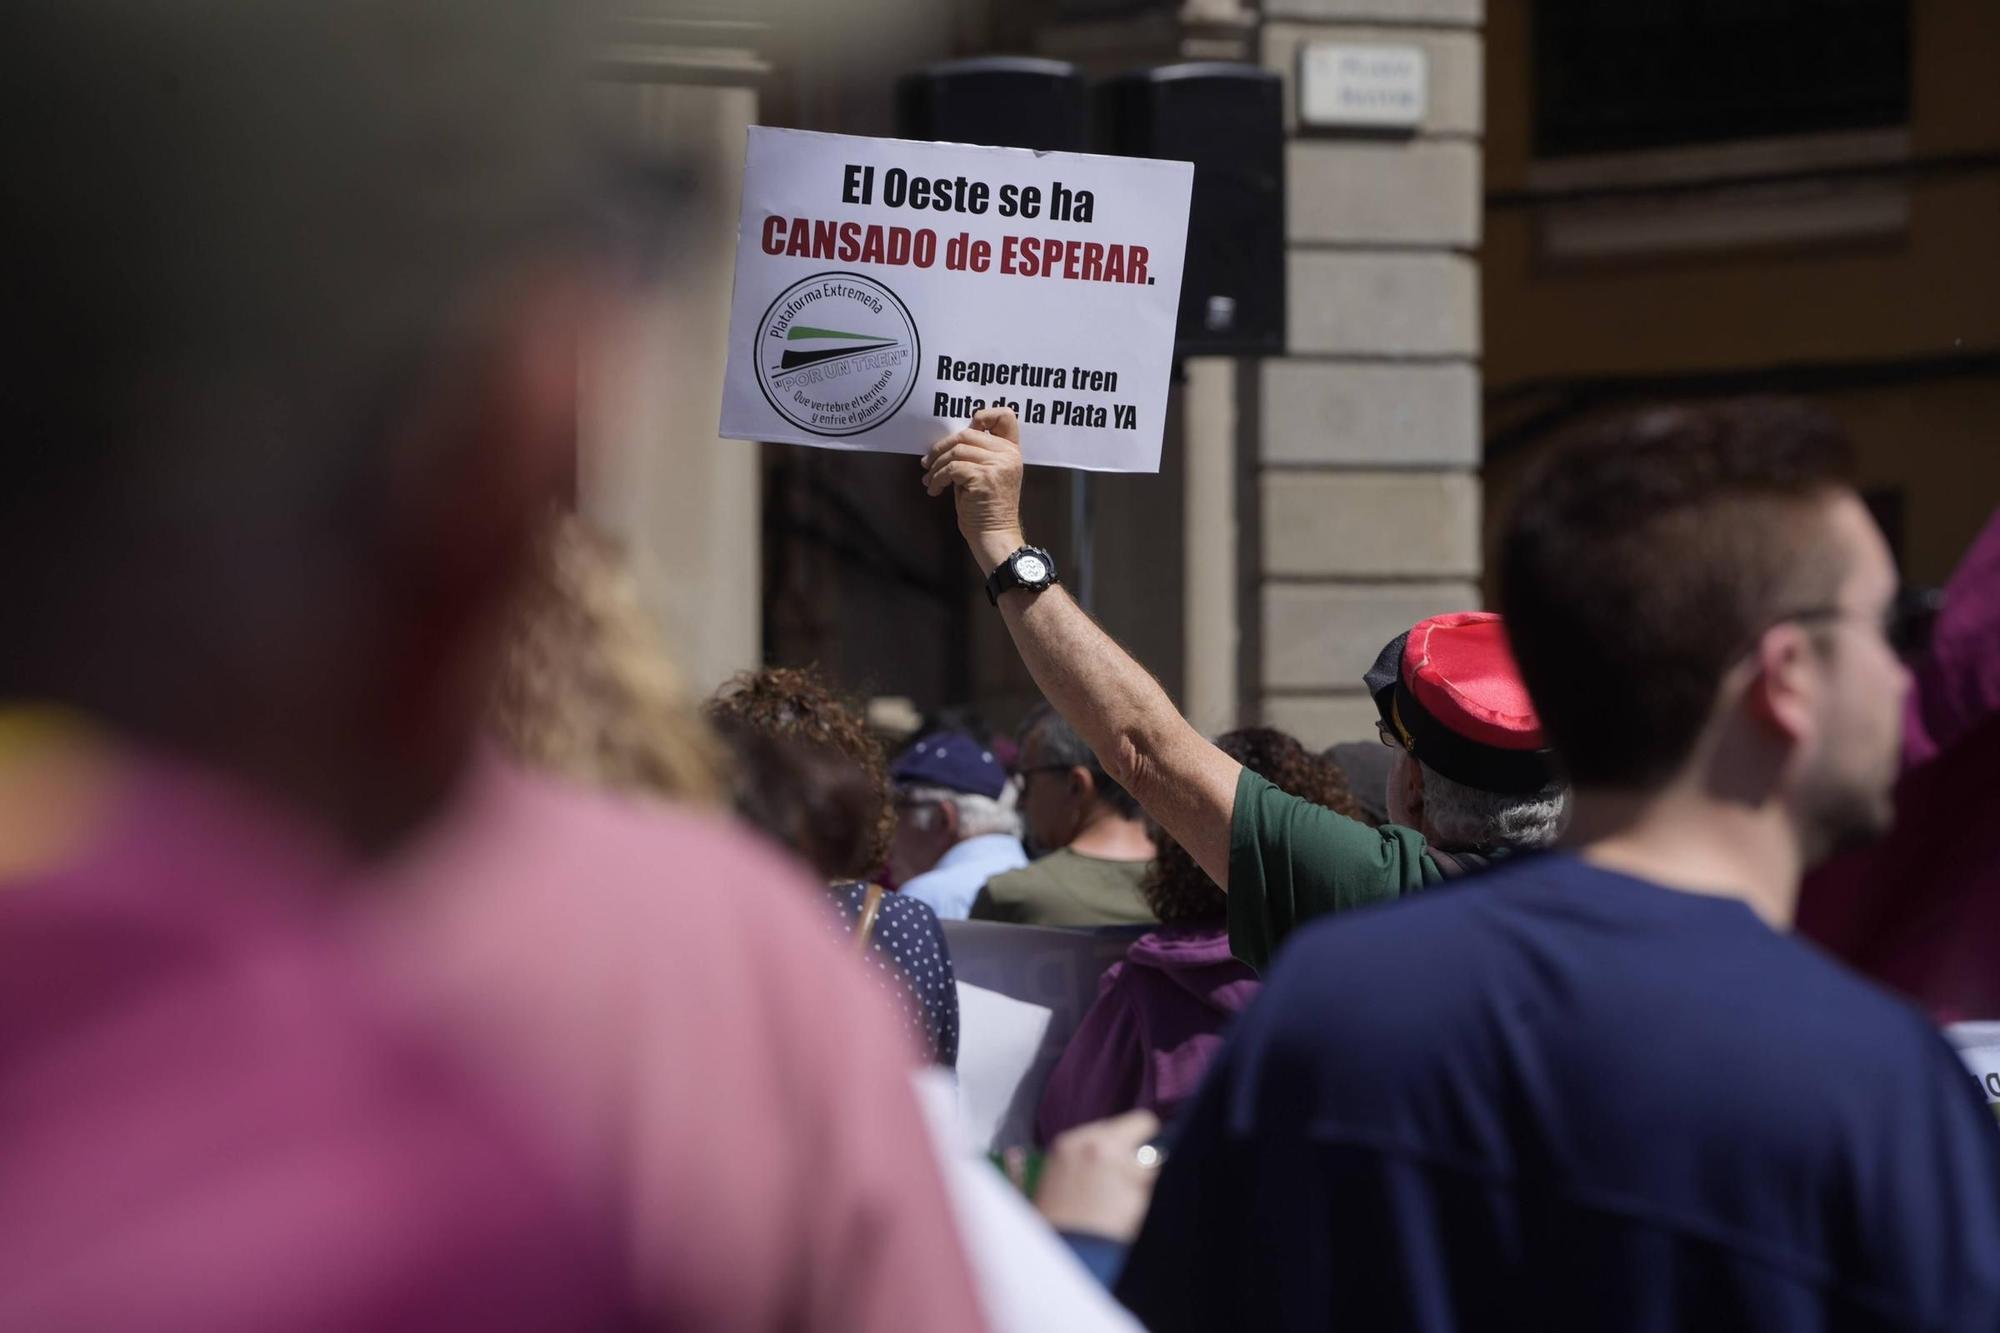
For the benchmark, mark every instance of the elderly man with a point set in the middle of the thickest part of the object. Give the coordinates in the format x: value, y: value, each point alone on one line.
x: 1471, y: 781
x: 1094, y: 846
x: 1605, y: 1090
x: 1472, y: 777
x: 952, y: 831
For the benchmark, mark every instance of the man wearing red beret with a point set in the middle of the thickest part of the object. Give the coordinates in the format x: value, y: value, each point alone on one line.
x: 1472, y: 778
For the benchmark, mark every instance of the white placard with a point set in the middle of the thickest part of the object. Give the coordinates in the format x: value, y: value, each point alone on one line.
x: 1978, y: 1044
x: 1364, y: 87
x: 1000, y: 1041
x: 886, y: 290
x: 1052, y: 969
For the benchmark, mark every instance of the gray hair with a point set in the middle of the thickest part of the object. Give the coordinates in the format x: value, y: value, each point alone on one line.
x: 1458, y: 817
x: 1055, y: 741
x: 977, y: 815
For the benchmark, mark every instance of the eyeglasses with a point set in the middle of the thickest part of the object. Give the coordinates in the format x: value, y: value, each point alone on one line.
x: 1891, y: 622
x: 1902, y: 624
x: 1823, y: 614
x: 1025, y: 773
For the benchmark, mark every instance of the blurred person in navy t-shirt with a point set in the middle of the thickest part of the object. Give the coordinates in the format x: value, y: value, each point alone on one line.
x: 1604, y: 1087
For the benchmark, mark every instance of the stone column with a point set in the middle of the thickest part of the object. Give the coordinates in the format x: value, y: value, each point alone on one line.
x: 1211, y: 619
x: 1367, y: 504
x: 652, y: 471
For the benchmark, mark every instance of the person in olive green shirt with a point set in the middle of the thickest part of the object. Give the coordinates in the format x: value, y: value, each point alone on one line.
x: 1097, y: 844
x: 1067, y: 888
x: 1472, y: 775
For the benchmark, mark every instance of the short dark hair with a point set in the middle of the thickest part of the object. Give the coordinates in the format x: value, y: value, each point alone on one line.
x: 1643, y: 556
x: 1056, y: 742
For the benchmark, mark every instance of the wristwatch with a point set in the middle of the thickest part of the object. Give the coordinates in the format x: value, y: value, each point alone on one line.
x: 1030, y: 568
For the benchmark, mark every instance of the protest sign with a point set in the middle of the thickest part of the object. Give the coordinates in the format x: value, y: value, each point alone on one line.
x: 886, y: 290
x: 1978, y: 1044
x: 1000, y: 1049
x: 1054, y: 971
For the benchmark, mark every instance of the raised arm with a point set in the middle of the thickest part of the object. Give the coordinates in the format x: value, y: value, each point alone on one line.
x: 1142, y: 740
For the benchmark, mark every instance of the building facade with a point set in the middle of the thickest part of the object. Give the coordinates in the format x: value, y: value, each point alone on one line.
x: 1591, y: 205
x: 1787, y: 198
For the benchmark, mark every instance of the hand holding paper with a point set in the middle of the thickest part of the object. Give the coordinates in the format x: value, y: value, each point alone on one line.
x: 1097, y: 1178
x: 982, y: 463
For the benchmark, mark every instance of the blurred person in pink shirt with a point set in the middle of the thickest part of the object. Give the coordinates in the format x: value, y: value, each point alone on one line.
x: 589, y: 694
x: 296, y: 1031
x: 215, y: 1116
x: 663, y: 993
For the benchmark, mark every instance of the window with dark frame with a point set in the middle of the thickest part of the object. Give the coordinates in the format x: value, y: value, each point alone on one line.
x: 1624, y: 75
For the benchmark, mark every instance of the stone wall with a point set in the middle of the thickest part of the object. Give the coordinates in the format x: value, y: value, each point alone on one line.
x: 1367, y: 500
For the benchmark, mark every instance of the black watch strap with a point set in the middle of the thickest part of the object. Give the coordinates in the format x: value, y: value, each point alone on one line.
x: 1006, y: 575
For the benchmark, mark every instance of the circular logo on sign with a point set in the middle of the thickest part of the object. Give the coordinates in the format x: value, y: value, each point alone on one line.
x: 837, y: 353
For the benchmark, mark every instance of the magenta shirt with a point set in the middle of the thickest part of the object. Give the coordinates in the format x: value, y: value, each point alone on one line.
x: 569, y: 1063
x: 721, y: 1072
x: 213, y: 1118
x: 1920, y: 909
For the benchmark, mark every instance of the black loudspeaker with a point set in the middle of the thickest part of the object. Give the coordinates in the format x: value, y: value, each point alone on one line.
x: 1004, y: 101
x: 1227, y: 119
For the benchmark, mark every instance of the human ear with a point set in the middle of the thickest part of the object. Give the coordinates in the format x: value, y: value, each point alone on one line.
x: 1082, y: 786
x: 1411, y: 774
x: 1784, y: 682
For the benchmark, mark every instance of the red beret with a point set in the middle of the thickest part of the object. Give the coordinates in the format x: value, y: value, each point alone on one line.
x: 1460, y: 668
x: 1452, y: 693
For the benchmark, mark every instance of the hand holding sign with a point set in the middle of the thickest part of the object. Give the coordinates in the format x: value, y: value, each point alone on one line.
x: 982, y: 463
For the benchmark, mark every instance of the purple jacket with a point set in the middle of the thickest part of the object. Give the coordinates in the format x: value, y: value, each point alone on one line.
x: 1920, y: 910
x: 1958, y: 683
x: 1158, y: 1020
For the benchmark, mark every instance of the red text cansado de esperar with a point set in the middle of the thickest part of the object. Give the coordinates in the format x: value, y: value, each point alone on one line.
x: 919, y: 247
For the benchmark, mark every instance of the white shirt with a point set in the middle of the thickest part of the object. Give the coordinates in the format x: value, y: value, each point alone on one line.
x: 950, y: 886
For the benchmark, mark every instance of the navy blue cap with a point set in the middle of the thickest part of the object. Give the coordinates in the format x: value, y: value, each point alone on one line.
x: 953, y: 760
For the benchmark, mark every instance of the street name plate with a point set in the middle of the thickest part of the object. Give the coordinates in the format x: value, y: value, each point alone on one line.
x: 1348, y: 86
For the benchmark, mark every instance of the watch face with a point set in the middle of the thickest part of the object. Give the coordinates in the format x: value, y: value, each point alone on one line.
x: 1031, y: 569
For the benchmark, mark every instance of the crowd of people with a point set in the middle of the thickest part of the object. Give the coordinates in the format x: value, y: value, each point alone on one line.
x: 387, y: 941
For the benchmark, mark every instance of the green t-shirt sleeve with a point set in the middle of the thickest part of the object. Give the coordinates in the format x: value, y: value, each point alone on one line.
x: 1291, y: 860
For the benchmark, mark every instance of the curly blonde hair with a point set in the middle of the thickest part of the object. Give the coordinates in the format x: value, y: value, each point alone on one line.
x: 1178, y: 890
x: 586, y: 688
x: 795, y: 704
